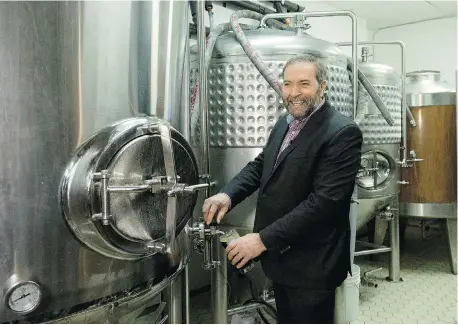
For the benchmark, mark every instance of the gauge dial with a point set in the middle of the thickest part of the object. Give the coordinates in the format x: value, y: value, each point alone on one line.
x: 24, y: 297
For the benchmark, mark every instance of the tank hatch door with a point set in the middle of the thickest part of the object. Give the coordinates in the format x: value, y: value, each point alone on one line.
x: 131, y: 189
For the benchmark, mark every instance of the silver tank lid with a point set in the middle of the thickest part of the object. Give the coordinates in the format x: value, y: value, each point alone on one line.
x: 380, y: 74
x: 425, y: 88
x: 276, y: 42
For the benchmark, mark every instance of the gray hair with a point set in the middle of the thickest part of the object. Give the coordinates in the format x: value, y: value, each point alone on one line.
x: 320, y: 68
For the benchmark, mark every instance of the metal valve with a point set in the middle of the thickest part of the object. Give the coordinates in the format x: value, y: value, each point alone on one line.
x: 413, y: 154
x: 205, y: 242
x: 387, y: 214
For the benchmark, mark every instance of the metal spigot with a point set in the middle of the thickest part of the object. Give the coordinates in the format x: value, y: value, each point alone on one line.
x: 204, y: 242
x: 414, y: 159
x: 387, y: 213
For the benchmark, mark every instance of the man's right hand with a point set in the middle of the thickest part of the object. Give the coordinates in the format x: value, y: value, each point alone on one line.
x: 220, y: 202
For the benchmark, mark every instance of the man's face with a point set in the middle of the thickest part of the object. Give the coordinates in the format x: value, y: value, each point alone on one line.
x: 301, y: 90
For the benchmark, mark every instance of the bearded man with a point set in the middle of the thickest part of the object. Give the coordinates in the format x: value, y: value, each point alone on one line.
x: 305, y: 176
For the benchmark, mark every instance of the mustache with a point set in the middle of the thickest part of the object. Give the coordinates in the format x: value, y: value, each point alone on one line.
x: 306, y: 100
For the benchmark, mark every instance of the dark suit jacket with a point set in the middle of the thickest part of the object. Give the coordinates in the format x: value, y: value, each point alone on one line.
x: 303, y: 206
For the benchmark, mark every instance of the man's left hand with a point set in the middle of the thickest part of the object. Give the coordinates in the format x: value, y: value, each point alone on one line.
x: 241, y: 250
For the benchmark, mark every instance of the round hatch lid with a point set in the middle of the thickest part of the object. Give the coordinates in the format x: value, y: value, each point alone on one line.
x: 376, y: 170
x: 115, y: 194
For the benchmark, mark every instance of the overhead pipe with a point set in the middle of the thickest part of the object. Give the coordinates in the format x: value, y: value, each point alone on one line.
x: 405, y: 108
x: 353, y: 39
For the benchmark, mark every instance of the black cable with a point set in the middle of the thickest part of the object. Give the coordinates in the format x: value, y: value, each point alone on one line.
x: 262, y: 302
x: 264, y: 319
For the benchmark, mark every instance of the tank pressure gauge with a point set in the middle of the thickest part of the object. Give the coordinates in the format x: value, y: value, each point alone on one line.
x: 23, y: 297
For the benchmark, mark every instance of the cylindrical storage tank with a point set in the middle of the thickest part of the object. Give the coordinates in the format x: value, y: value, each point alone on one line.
x: 243, y: 109
x: 76, y: 78
x: 378, y: 179
x: 431, y: 191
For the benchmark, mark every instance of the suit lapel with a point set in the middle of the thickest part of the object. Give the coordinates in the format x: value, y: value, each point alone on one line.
x: 276, y: 144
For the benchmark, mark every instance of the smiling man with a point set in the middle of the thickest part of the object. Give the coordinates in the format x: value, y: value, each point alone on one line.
x: 305, y: 176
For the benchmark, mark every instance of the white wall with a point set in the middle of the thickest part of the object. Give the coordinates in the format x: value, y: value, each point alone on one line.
x: 333, y: 29
x: 430, y: 45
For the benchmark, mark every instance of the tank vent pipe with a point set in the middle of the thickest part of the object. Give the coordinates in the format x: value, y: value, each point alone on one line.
x: 373, y: 93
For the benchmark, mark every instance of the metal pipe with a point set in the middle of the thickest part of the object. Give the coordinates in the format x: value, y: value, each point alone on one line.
x: 187, y: 304
x: 395, y: 261
x: 373, y: 94
x: 205, y: 161
x: 373, y: 251
x: 174, y: 298
x: 249, y: 307
x: 219, y: 285
x: 130, y: 189
x: 403, y: 90
x: 354, y: 36
x: 185, y: 118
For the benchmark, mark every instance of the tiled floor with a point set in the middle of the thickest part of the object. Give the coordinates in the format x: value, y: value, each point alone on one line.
x: 427, y: 295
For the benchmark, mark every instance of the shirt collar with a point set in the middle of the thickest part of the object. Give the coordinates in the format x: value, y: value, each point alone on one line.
x: 290, y: 118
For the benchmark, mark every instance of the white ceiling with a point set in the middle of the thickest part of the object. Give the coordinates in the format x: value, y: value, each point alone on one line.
x: 380, y: 14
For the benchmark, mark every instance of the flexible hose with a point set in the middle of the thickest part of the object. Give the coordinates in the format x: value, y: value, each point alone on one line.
x: 373, y: 93
x: 211, y: 41
x: 261, y: 302
x: 409, y: 114
x: 247, y: 47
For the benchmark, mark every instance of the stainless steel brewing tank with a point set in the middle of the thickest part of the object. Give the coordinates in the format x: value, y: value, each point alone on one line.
x: 71, y: 69
x: 432, y: 187
x: 378, y: 179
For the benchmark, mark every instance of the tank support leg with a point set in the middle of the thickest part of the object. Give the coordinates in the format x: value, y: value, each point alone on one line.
x: 219, y: 286
x: 449, y: 229
x: 186, y: 302
x: 175, y: 300
x: 395, y: 261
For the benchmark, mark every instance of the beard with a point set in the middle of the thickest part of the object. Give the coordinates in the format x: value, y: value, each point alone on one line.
x: 303, y: 106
